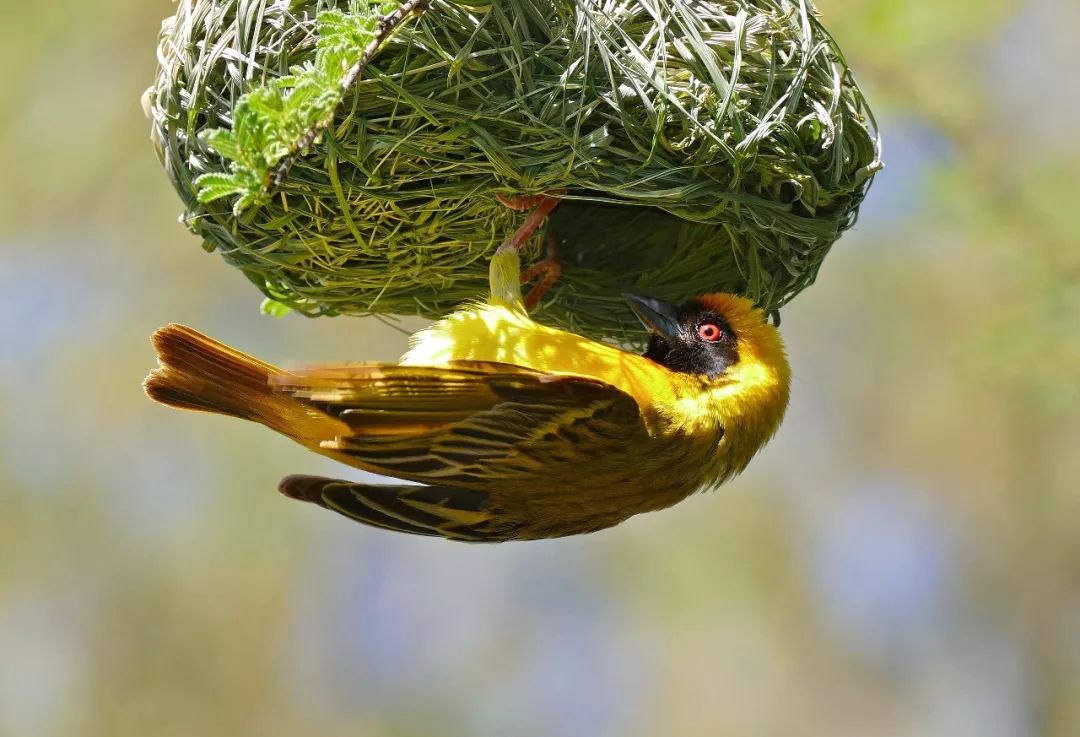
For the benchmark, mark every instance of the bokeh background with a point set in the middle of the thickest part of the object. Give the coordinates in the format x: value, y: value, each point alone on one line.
x: 903, y: 560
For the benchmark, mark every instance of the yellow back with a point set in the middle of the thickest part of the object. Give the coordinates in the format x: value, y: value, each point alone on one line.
x: 492, y: 332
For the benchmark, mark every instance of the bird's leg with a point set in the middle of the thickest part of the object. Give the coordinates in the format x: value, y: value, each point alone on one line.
x: 548, y: 270
x: 542, y: 206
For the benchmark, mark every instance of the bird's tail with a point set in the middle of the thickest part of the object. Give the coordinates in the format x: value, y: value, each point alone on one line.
x: 199, y: 373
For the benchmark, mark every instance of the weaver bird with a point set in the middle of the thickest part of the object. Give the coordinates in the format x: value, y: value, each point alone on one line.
x: 514, y: 430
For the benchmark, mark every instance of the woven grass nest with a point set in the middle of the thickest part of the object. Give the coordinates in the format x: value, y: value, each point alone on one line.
x: 702, y: 145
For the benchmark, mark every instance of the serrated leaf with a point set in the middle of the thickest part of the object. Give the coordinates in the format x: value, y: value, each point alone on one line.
x: 271, y: 121
x: 214, y: 186
x: 223, y: 142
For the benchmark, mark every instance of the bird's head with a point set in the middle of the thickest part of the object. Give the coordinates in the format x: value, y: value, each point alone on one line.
x: 726, y: 340
x: 715, y: 335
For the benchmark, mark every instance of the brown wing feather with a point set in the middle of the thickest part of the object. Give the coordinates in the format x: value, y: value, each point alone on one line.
x: 458, y: 514
x: 469, y: 423
x: 497, y: 446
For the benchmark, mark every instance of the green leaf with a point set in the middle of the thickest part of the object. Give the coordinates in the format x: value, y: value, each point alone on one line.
x: 273, y: 308
x: 215, y: 186
x: 272, y: 122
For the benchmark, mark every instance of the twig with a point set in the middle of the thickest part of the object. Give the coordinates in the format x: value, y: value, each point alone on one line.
x: 383, y: 29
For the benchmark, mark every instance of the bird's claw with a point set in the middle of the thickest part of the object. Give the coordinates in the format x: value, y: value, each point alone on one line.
x: 546, y: 271
x: 543, y: 205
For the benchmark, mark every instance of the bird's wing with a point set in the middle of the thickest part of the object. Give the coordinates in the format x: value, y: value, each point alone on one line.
x: 469, y: 423
x: 457, y: 514
x: 462, y: 431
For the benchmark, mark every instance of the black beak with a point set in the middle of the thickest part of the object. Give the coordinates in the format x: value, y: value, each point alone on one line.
x: 660, y: 317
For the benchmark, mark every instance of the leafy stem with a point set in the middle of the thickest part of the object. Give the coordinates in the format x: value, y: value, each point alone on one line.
x: 277, y: 122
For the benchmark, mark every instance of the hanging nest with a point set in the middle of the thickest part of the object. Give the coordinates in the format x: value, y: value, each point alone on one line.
x: 702, y: 146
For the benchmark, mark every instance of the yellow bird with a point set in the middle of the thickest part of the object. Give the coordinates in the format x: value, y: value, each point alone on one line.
x: 514, y: 430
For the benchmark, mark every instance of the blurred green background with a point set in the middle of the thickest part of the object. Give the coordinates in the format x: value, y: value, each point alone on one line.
x: 903, y: 560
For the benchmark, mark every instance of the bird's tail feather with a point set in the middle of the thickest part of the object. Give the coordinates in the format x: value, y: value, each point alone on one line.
x: 199, y: 373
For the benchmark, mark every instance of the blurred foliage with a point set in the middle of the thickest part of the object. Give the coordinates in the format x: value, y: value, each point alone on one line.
x: 904, y: 559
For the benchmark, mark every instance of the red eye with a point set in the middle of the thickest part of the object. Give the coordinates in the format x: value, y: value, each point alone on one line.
x: 709, y: 332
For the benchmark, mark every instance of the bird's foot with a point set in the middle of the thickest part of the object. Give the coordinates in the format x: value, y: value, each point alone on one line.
x: 546, y: 271
x: 542, y: 206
